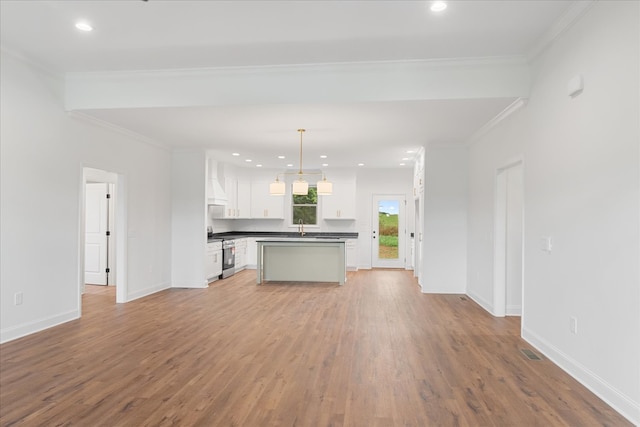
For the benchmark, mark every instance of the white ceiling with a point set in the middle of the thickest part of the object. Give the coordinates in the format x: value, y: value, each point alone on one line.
x: 159, y: 34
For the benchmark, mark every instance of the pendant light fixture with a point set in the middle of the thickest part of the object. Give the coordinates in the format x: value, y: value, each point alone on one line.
x: 325, y: 188
x: 300, y: 185
x: 277, y: 188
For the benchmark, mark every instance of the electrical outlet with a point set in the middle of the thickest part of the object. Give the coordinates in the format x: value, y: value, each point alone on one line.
x: 573, y: 325
x: 17, y: 298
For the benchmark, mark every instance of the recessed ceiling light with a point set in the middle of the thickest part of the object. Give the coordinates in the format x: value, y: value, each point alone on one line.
x: 281, y: 157
x: 325, y: 165
x: 409, y: 151
x: 438, y: 6
x: 402, y: 164
x: 360, y: 164
x: 404, y: 159
x: 290, y: 165
x: 248, y: 160
x: 83, y: 26
x: 258, y: 165
x: 323, y: 156
x: 235, y: 154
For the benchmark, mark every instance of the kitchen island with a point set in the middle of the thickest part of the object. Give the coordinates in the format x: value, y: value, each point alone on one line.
x: 304, y: 259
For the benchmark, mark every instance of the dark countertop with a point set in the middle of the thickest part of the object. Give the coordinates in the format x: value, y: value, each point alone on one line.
x: 280, y: 234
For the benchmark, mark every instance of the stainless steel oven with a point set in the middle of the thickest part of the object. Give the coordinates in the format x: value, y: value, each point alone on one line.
x: 228, y: 258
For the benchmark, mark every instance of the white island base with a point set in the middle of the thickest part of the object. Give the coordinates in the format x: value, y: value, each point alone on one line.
x: 301, y: 260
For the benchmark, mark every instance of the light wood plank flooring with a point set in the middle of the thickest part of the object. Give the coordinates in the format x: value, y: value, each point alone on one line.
x: 375, y: 352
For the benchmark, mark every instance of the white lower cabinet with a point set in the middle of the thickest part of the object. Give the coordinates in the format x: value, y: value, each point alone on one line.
x: 213, y: 261
x: 351, y: 249
x: 241, y: 254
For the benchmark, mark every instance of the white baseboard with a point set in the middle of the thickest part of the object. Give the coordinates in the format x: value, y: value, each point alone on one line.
x: 622, y: 403
x: 514, y: 310
x: 442, y: 291
x: 29, y: 328
x: 148, y: 291
x: 511, y: 310
x: 481, y: 302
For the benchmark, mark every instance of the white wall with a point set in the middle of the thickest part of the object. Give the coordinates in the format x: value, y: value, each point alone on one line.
x: 188, y: 218
x: 444, y: 243
x: 581, y: 187
x: 502, y: 147
x: 43, y: 151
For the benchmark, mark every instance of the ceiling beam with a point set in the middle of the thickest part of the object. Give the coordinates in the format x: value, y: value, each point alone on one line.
x: 300, y: 84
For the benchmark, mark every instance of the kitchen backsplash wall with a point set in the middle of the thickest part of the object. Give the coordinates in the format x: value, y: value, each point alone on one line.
x: 219, y: 225
x: 223, y: 225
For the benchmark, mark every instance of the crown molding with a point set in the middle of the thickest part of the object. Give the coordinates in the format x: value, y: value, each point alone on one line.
x: 512, y: 108
x: 40, y: 67
x: 571, y: 15
x: 446, y: 146
x: 118, y: 129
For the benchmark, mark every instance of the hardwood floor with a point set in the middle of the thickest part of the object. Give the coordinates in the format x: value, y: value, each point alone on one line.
x: 374, y: 352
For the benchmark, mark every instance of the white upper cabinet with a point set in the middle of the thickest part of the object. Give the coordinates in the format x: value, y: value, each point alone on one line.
x: 341, y: 205
x: 263, y: 204
x: 227, y: 211
x: 243, y: 198
x: 238, y: 191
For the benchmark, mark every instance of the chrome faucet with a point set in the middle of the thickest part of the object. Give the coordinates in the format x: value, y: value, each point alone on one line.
x: 300, y: 227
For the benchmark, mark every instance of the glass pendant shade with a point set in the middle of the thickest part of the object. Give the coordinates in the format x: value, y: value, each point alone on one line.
x: 325, y: 188
x: 300, y: 187
x: 277, y: 188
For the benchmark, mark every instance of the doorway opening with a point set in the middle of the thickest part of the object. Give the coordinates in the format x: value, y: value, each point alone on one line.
x: 508, y: 243
x: 102, y: 235
x: 388, y: 233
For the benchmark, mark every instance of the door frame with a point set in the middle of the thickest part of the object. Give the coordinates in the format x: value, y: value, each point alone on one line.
x: 500, y: 241
x: 118, y: 233
x: 402, y: 230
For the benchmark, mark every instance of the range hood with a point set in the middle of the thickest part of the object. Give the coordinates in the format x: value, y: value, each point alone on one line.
x: 215, y: 194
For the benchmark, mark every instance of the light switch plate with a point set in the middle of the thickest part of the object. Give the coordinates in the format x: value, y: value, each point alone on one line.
x: 546, y: 243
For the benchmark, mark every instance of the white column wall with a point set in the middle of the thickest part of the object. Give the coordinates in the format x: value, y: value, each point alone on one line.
x: 582, y: 188
x: 444, y: 242
x: 43, y: 152
x: 189, y: 223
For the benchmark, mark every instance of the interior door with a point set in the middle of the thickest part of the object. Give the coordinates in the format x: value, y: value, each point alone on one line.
x: 95, y: 247
x: 388, y: 231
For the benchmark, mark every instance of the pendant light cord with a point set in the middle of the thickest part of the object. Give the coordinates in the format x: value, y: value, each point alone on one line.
x: 300, y: 171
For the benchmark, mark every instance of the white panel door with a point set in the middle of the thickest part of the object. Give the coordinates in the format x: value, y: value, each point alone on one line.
x: 95, y: 247
x: 388, y: 233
